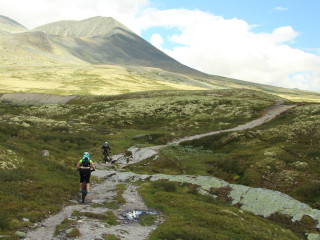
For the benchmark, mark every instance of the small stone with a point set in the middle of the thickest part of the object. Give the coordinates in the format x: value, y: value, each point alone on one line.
x: 45, y: 153
x: 313, y: 236
x: 25, y: 219
x: 69, y: 230
x: 36, y: 225
x: 21, y: 234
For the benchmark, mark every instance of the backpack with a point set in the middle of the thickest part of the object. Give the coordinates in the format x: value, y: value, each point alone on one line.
x: 85, y: 162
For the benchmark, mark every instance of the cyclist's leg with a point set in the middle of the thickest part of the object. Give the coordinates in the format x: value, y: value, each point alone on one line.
x: 81, y: 180
x: 88, y: 181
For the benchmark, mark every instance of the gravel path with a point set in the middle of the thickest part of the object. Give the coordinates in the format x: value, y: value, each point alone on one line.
x: 35, y: 98
x: 91, y: 228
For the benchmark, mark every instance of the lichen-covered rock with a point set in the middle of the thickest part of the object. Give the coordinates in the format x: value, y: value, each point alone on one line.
x: 9, y: 159
x: 140, y: 154
x: 313, y: 236
x: 259, y: 201
x: 119, y: 159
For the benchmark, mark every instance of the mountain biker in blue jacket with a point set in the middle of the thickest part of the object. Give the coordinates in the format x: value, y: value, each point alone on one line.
x: 84, y: 166
x: 106, y: 150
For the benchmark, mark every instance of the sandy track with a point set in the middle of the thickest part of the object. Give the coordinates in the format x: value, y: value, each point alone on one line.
x: 35, y: 98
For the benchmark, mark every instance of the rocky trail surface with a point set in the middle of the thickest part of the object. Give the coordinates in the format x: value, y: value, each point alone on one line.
x: 262, y: 202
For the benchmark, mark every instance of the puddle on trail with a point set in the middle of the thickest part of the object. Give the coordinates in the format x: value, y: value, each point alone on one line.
x: 134, y: 215
x: 98, y: 201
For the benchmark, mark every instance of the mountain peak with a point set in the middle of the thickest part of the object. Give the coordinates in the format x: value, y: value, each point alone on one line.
x: 95, y: 27
x: 11, y: 26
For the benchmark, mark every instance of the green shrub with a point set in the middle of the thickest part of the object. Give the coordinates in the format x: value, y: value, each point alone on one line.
x: 309, y: 193
x: 74, y: 233
x: 110, y: 237
x: 18, y: 174
x: 147, y: 219
x: 4, y: 220
x: 165, y: 186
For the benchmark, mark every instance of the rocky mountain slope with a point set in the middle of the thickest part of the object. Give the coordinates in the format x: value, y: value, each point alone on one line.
x: 97, y: 40
x: 11, y: 26
x: 96, y: 27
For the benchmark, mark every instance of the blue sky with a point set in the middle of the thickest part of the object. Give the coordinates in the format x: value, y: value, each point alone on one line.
x: 266, y: 15
x: 274, y: 42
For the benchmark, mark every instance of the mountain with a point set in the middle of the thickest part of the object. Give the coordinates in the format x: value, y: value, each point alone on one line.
x: 97, y: 40
x: 101, y: 40
x: 96, y: 27
x: 11, y: 26
x: 105, y: 52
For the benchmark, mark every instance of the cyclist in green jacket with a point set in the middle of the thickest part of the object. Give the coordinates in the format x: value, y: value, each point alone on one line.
x: 84, y: 166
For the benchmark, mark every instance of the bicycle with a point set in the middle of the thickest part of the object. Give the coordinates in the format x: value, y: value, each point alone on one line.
x: 106, y: 157
x: 84, y: 188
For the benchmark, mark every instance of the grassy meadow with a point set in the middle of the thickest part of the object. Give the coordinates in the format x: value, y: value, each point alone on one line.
x: 35, y: 186
x: 281, y: 155
x: 115, y: 79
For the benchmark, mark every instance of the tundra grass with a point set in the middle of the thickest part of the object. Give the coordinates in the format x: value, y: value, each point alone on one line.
x: 281, y: 155
x: 112, y: 80
x: 192, y: 216
x: 37, y: 186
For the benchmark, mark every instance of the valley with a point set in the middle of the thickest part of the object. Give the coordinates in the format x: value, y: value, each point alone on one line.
x: 229, y: 159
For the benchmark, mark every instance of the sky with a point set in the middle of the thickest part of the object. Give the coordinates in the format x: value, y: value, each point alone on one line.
x: 274, y: 42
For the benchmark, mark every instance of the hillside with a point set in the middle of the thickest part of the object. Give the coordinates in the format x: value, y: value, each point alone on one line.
x: 11, y: 26
x: 96, y: 27
x: 100, y: 56
x: 36, y: 186
x: 97, y: 40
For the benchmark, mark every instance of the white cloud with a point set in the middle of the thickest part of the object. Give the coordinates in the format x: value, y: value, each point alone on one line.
x: 280, y: 8
x: 33, y: 13
x: 156, y: 40
x: 228, y: 47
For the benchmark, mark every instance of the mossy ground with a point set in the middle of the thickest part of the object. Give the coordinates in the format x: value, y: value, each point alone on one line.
x: 282, y: 155
x: 35, y: 186
x: 192, y: 216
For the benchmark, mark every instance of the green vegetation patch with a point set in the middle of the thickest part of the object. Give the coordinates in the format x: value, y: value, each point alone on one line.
x: 192, y: 216
x: 107, y: 217
x: 281, y: 155
x: 36, y: 186
x: 147, y: 219
x: 66, y: 224
x: 110, y: 237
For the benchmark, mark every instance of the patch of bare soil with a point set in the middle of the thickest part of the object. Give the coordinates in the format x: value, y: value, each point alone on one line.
x: 35, y: 98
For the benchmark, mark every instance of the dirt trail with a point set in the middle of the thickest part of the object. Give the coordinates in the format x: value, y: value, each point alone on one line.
x: 91, y: 228
x: 35, y: 98
x: 268, y: 115
x: 106, y: 192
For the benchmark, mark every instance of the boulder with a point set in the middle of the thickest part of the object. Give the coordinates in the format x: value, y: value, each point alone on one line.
x: 140, y: 154
x: 119, y: 159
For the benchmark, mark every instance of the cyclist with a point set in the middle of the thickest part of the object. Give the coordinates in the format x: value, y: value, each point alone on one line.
x: 84, y: 166
x: 106, y: 150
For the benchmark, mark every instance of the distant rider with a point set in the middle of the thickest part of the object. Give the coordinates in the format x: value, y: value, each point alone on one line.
x: 106, y: 150
x: 84, y: 166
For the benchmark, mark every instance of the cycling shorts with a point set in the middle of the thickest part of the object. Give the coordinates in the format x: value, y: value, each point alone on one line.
x: 85, y: 175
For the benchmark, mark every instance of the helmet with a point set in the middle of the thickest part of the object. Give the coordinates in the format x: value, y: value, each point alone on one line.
x: 106, y: 144
x: 86, y: 155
